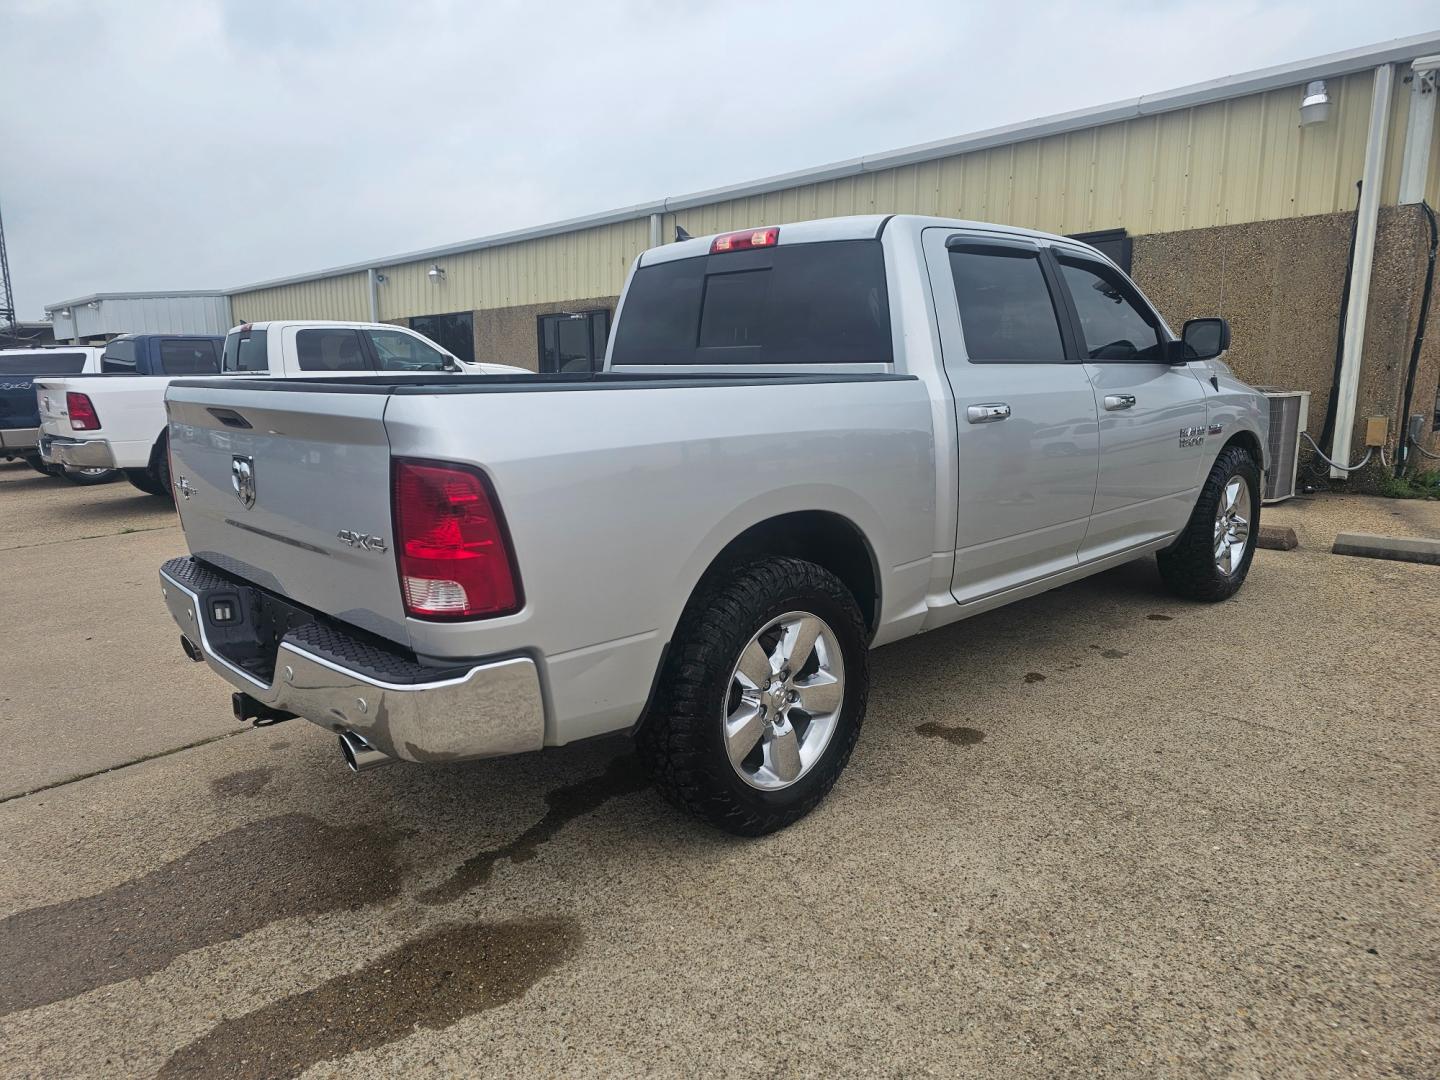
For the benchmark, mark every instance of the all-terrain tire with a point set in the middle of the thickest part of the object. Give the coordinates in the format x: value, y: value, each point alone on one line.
x: 82, y: 477
x: 1189, y: 566
x: 143, y: 479
x: 681, y: 741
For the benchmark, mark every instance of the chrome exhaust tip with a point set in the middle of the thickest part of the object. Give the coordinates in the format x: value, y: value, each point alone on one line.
x: 359, y: 755
x: 191, y: 649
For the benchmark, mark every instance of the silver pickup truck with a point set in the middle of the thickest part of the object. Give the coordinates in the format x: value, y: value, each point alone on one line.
x: 807, y: 441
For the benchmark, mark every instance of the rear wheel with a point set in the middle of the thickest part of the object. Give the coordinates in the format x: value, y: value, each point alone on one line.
x: 1213, y: 555
x: 88, y: 477
x: 36, y: 462
x: 762, y: 696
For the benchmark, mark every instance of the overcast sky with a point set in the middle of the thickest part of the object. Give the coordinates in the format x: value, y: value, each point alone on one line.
x: 211, y: 143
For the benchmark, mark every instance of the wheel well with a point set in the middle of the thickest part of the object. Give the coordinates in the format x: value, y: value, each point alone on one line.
x: 1248, y: 440
x: 820, y: 537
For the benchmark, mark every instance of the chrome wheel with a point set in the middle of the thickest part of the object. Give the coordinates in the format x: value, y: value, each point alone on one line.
x: 1232, y: 525
x: 784, y: 700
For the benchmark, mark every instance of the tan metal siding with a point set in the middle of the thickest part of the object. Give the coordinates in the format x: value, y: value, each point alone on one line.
x: 1227, y: 162
x: 589, y: 262
x: 346, y: 297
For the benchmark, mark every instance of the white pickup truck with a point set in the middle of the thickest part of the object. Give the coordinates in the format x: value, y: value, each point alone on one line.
x: 807, y: 441
x: 19, y: 414
x: 115, y: 423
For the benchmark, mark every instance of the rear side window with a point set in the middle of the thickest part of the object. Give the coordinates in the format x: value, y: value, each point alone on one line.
x: 245, y: 350
x: 195, y: 356
x: 118, y: 358
x: 802, y: 304
x: 1113, y: 319
x: 1006, y: 312
x: 42, y: 362
x: 330, y: 349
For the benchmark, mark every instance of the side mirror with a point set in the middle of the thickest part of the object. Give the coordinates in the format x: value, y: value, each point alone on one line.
x: 1203, y: 339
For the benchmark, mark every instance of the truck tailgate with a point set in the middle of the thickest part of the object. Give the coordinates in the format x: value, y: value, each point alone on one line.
x: 266, y: 481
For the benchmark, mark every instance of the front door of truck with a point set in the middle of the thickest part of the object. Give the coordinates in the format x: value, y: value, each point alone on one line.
x: 1025, y: 413
x: 1152, y: 413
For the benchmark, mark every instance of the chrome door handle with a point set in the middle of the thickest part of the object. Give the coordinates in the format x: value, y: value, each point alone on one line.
x: 987, y: 414
x: 1114, y: 402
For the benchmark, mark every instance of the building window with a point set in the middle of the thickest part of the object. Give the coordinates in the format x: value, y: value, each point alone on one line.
x: 1114, y: 244
x: 572, y: 341
x: 454, y: 333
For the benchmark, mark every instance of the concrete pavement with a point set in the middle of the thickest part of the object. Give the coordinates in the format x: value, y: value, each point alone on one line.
x: 1103, y: 831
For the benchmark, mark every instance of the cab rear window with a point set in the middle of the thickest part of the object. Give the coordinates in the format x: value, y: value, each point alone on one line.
x: 42, y: 362
x: 797, y: 304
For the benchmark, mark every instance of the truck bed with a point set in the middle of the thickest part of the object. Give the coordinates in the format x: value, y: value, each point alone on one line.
x: 600, y: 492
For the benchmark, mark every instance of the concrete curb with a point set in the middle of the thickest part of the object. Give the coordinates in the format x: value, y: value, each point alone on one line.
x: 1398, y: 548
x: 1277, y: 538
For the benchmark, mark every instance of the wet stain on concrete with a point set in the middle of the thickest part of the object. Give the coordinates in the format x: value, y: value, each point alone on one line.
x: 238, y: 882
x: 623, y: 776
x: 960, y: 736
x: 246, y: 783
x: 1110, y: 654
x: 1034, y: 677
x: 430, y: 982
x: 1155, y: 616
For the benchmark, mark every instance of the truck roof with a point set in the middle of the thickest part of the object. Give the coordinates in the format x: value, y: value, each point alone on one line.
x: 268, y: 324
x: 855, y: 227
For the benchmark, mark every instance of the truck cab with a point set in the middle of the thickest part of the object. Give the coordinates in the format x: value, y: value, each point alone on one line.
x: 313, y: 349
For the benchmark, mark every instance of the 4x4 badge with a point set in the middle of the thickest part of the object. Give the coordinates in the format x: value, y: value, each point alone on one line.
x: 242, y: 479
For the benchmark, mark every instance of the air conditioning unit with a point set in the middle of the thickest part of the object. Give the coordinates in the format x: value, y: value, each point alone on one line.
x: 1289, y: 413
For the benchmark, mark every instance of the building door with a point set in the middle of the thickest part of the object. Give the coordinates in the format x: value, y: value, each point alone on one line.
x: 454, y: 333
x: 573, y: 341
x: 1151, y: 412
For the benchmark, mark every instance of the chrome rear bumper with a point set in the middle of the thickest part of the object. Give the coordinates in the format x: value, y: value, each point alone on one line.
x: 473, y: 711
x: 20, y: 438
x: 80, y: 453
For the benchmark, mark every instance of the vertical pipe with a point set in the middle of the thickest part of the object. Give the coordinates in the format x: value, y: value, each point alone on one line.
x: 373, y: 280
x: 656, y: 237
x: 1367, y: 217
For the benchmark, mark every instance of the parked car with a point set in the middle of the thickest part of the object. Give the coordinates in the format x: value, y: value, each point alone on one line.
x: 19, y: 413
x: 116, y: 419
x: 807, y: 441
x: 121, y: 423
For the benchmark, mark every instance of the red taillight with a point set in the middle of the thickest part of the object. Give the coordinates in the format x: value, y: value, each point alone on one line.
x: 742, y: 241
x: 83, y: 416
x: 450, y: 544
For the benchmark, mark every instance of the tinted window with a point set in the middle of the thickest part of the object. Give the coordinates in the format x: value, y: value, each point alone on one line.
x: 245, y: 350
x: 42, y: 362
x: 118, y: 358
x: 401, y: 352
x: 330, y: 349
x: 802, y: 304
x: 194, y: 356
x: 1114, y: 324
x: 1006, y: 312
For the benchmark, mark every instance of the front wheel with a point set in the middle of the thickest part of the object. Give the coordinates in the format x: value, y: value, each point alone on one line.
x: 1212, y: 557
x: 762, y: 696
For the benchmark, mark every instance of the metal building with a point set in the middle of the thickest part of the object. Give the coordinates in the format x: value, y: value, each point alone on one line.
x: 1236, y: 197
x: 101, y: 316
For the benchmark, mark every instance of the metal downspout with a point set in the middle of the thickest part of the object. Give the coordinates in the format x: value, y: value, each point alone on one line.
x: 656, y: 237
x: 1367, y: 216
x: 373, y: 278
